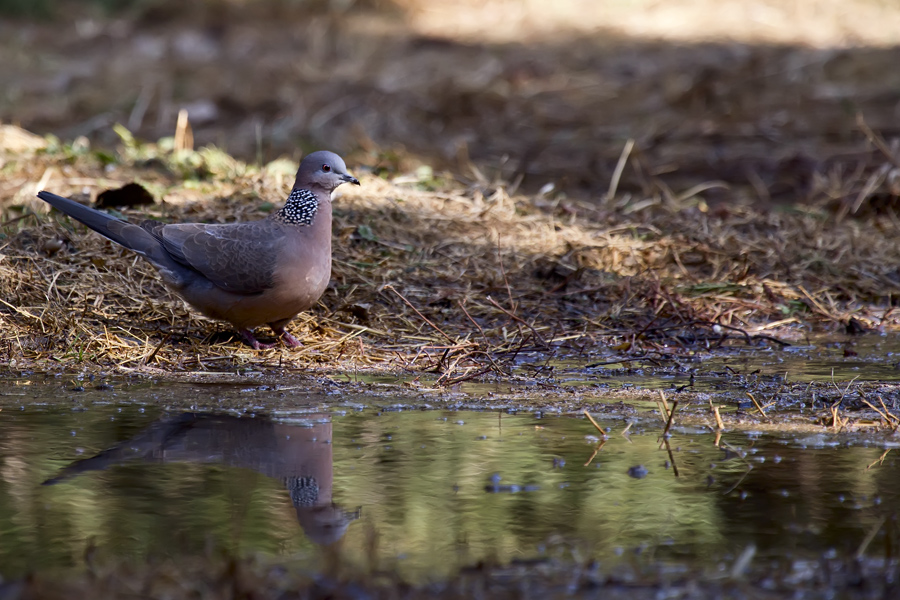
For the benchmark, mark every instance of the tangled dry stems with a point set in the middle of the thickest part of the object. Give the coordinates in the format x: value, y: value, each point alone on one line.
x: 434, y: 275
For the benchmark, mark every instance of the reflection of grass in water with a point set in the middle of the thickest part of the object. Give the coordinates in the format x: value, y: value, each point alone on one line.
x: 426, y: 498
x: 416, y: 496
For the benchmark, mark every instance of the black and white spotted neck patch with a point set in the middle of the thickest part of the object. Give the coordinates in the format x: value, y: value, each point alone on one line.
x: 300, y: 208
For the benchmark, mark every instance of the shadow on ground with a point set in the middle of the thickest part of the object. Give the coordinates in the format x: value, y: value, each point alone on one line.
x: 553, y: 104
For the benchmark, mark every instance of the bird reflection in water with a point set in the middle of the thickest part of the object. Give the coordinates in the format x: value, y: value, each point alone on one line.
x: 299, y: 456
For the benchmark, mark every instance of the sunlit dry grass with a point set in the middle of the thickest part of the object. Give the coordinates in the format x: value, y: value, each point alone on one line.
x: 434, y: 275
x: 828, y: 23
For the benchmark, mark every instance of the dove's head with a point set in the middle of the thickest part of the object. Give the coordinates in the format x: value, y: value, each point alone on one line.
x: 323, y: 170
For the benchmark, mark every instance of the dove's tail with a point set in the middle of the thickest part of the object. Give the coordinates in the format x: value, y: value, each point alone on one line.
x: 133, y: 237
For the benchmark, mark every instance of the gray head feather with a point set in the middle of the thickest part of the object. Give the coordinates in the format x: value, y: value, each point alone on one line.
x: 322, y: 171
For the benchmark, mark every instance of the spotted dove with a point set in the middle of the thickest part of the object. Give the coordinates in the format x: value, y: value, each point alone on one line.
x: 247, y: 274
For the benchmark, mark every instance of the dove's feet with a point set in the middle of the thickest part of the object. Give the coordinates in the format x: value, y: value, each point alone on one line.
x: 252, y: 341
x: 289, y: 340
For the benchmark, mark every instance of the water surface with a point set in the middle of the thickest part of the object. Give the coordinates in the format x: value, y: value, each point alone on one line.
x: 423, y: 493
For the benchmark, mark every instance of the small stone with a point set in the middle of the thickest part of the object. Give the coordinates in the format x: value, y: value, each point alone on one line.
x: 638, y: 472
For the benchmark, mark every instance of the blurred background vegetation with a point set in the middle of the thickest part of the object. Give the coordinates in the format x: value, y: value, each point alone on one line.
x: 51, y: 8
x: 56, y: 8
x: 759, y: 97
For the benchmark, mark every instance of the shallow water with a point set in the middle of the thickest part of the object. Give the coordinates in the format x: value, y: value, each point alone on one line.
x: 842, y: 358
x: 421, y: 493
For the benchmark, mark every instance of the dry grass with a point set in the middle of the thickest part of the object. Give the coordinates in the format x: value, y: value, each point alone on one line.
x: 438, y: 276
x: 825, y: 23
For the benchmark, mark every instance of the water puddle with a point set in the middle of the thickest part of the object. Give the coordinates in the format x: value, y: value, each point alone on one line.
x: 426, y: 493
x: 822, y: 359
x: 819, y: 359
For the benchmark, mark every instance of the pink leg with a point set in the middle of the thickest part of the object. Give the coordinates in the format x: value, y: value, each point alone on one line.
x: 252, y: 341
x: 289, y: 340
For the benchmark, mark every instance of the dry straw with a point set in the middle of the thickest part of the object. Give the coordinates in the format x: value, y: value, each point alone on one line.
x: 433, y: 276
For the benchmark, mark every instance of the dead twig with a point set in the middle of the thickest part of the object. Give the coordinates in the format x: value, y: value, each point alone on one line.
x: 876, y: 140
x: 715, y: 410
x: 665, y: 405
x: 880, y: 459
x: 758, y: 407
x: 593, y: 422
x: 518, y: 320
x: 596, y: 451
x: 671, y: 458
x: 620, y: 168
x: 671, y: 417
x: 421, y: 316
x: 888, y: 417
x: 861, y: 551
